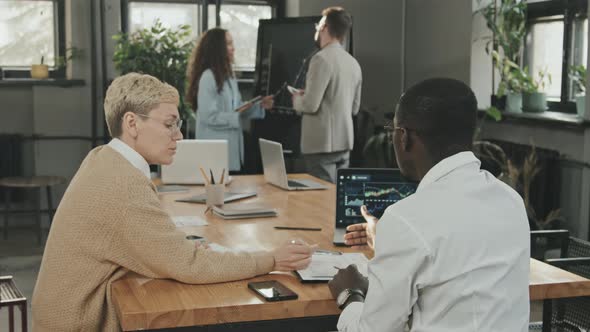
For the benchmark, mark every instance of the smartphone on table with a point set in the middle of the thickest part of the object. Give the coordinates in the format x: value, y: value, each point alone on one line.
x: 272, y: 290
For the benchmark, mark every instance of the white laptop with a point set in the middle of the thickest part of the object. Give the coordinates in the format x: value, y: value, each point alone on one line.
x: 192, y: 154
x: 275, y: 173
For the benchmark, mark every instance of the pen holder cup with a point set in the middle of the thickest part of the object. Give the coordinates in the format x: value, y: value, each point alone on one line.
x: 215, y: 194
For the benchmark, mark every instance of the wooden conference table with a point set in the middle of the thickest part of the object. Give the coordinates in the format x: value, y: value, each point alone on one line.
x: 146, y: 304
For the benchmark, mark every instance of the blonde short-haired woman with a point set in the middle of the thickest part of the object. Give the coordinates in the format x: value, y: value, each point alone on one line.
x: 110, y: 221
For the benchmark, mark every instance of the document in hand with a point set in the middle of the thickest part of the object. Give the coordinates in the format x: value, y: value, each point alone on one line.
x: 323, y: 266
x: 243, y: 211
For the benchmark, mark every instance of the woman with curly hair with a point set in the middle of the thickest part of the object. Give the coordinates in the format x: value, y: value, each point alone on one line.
x: 213, y: 92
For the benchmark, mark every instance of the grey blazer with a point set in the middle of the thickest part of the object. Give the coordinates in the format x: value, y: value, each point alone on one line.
x: 332, y: 96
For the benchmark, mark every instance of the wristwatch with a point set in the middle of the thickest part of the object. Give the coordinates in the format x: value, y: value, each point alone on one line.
x: 345, y: 294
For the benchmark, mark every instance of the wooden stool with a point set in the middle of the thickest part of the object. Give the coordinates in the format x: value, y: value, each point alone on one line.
x: 32, y: 182
x: 10, y: 296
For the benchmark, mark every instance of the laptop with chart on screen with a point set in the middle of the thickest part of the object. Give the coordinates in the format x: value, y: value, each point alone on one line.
x: 375, y: 188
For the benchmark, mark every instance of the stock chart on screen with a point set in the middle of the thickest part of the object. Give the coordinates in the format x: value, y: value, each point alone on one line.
x: 377, y: 190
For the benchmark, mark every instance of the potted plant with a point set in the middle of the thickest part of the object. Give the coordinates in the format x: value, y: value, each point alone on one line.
x: 533, y: 99
x: 578, y: 76
x: 40, y: 71
x: 511, y: 85
x: 160, y: 52
x: 506, y: 20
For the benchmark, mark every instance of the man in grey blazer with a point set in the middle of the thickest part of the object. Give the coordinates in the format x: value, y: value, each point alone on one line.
x: 332, y: 96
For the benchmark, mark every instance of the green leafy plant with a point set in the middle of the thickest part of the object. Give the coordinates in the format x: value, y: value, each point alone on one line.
x: 578, y: 76
x: 506, y: 20
x: 513, y: 77
x: 71, y: 53
x: 158, y: 51
x: 531, y: 85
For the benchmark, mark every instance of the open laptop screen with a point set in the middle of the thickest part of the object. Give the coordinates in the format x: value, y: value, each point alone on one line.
x: 375, y: 188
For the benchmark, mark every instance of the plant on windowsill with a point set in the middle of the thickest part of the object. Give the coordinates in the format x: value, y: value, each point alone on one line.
x: 71, y: 53
x: 161, y: 52
x: 513, y: 80
x: 533, y: 99
x: 40, y: 71
x: 507, y: 22
x: 578, y: 76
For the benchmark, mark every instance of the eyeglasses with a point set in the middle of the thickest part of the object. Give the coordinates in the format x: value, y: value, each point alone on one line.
x: 173, y: 127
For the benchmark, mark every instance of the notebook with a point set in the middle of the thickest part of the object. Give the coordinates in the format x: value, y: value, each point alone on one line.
x: 228, y: 197
x: 244, y: 211
x: 171, y: 189
x: 322, y: 266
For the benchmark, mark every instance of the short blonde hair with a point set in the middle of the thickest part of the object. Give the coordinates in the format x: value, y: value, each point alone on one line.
x: 136, y: 93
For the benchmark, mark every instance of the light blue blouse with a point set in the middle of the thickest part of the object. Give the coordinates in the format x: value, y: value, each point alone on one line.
x: 217, y: 119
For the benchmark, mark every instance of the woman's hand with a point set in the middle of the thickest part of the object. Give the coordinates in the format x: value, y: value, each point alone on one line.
x: 268, y: 102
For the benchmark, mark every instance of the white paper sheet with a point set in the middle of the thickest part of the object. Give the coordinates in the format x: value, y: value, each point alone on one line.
x: 323, y: 266
x: 188, y: 221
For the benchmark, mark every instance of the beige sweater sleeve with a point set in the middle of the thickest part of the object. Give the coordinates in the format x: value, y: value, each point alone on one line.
x: 147, y: 242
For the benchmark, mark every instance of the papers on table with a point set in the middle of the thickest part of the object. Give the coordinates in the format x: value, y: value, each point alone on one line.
x: 171, y: 189
x: 323, y: 266
x: 188, y: 221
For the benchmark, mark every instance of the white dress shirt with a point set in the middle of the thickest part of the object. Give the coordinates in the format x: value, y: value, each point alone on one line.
x: 452, y: 257
x: 131, y: 155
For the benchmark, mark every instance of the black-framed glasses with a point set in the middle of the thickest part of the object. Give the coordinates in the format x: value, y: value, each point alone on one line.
x: 174, y: 127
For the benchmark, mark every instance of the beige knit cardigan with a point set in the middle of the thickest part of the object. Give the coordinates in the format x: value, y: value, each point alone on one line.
x: 110, y: 222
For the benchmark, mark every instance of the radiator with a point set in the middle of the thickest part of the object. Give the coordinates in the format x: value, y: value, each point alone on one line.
x: 544, y: 193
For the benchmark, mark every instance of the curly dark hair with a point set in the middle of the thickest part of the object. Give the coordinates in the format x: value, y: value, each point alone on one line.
x: 209, y: 53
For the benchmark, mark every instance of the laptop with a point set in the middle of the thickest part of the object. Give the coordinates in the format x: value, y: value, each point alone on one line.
x: 192, y: 154
x: 275, y: 173
x: 377, y: 188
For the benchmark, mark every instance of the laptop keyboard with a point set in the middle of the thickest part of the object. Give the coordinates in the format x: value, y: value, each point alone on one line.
x: 292, y: 183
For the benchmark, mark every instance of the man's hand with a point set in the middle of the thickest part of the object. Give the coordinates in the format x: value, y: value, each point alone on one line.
x: 267, y: 102
x: 361, y: 235
x: 294, y: 255
x: 349, y: 277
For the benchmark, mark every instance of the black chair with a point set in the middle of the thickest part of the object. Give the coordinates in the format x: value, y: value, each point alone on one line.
x: 568, y: 314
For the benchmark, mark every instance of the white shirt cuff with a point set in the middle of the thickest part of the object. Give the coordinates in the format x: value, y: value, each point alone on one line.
x: 350, y: 316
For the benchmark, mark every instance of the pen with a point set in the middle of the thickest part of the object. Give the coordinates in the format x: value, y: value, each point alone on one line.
x: 212, y: 178
x: 222, y: 176
x: 327, y: 252
x: 299, y: 228
x: 205, y: 178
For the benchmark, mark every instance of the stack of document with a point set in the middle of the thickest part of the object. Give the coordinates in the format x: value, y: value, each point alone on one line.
x: 243, y: 211
x: 323, y: 267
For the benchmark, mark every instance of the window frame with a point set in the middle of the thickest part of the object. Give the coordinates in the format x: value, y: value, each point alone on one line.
x: 60, y: 46
x: 204, y: 19
x: 559, y: 10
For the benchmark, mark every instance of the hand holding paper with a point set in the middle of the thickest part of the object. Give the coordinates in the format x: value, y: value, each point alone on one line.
x: 248, y: 104
x: 294, y: 91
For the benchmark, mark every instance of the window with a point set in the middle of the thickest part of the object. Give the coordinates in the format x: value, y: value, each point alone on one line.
x: 144, y: 15
x: 543, y: 55
x: 239, y: 17
x: 557, y: 38
x: 242, y: 22
x: 30, y: 30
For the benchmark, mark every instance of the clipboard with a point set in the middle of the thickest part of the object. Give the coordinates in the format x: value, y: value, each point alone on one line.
x: 251, y: 101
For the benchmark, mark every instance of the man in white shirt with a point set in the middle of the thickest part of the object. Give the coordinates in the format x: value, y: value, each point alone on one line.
x: 454, y: 256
